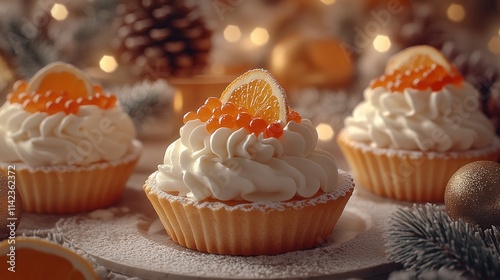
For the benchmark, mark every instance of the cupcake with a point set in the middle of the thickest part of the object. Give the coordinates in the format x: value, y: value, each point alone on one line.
x: 245, y: 176
x: 70, y: 147
x: 417, y: 125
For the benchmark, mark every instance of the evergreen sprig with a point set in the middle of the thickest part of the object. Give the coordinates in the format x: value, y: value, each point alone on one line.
x: 29, y: 51
x: 424, y: 238
x: 146, y: 100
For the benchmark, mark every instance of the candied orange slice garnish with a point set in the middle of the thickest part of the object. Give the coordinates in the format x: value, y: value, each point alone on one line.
x: 259, y: 93
x: 59, y: 77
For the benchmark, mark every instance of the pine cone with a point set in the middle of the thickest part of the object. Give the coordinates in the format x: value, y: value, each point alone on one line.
x: 161, y: 38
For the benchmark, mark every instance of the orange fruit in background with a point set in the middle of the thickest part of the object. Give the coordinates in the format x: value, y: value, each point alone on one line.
x: 259, y: 93
x: 60, y: 76
x: 417, y: 56
x: 41, y: 259
x: 10, y: 207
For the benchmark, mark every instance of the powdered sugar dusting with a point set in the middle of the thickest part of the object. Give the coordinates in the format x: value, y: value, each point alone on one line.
x: 137, y: 245
x: 344, y: 185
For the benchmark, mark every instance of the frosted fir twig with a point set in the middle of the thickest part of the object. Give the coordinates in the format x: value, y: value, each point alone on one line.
x: 424, y: 238
x: 146, y: 100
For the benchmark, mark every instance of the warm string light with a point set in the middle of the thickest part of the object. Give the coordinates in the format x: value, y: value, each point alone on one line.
x: 456, y: 12
x: 59, y: 12
x: 108, y: 64
x: 382, y: 43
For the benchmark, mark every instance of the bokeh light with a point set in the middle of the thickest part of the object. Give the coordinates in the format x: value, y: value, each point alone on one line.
x: 59, y: 12
x: 259, y: 36
x: 232, y: 33
x: 325, y: 132
x: 108, y: 64
x: 382, y: 43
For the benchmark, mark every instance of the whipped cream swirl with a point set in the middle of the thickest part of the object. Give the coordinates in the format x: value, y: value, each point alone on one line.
x: 39, y: 139
x: 446, y: 120
x: 235, y: 165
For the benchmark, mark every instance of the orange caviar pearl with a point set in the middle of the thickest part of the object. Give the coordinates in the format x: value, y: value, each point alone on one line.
x: 258, y: 125
x: 111, y: 102
x: 212, y: 124
x: 22, y: 97
x: 274, y: 130
x: 204, y: 113
x: 71, y: 107
x: 189, y: 116
x: 52, y: 107
x: 226, y: 120
x: 30, y: 106
x: 294, y: 116
x: 243, y: 119
x: 213, y: 102
x: 230, y: 109
x: 216, y: 112
x: 20, y: 86
x: 98, y: 89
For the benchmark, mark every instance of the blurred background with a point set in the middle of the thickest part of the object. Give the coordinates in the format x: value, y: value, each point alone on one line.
x: 163, y: 58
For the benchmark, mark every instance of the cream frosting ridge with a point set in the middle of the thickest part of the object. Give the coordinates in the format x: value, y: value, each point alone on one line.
x: 446, y: 120
x: 235, y: 165
x: 39, y: 139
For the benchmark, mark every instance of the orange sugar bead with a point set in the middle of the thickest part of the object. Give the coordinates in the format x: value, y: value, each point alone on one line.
x: 212, y: 124
x: 98, y: 89
x: 71, y: 107
x: 204, y: 113
x: 243, y: 119
x: 20, y: 86
x: 274, y: 130
x: 226, y: 120
x: 53, y: 107
x: 111, y: 101
x: 30, y: 106
x: 216, y: 112
x: 213, y: 102
x: 189, y: 116
x: 258, y: 125
x: 229, y: 108
x: 294, y: 116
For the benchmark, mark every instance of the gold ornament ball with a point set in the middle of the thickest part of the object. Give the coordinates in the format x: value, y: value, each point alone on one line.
x: 299, y: 61
x: 473, y: 194
x: 10, y: 207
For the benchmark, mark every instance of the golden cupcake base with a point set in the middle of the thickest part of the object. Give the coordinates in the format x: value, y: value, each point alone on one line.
x: 408, y: 175
x: 244, y: 228
x: 70, y: 189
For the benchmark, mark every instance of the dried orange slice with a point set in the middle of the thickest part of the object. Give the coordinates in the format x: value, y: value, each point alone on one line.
x: 34, y: 258
x: 416, y: 56
x: 259, y: 93
x: 60, y: 76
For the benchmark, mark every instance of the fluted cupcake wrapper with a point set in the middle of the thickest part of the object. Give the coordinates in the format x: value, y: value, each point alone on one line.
x: 71, y: 189
x: 249, y: 228
x: 408, y: 175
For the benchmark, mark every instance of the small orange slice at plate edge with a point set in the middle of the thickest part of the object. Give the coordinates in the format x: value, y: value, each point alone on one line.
x: 34, y: 258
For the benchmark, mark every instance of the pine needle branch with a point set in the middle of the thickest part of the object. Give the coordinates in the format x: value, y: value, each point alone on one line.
x: 424, y: 238
x: 29, y: 52
x: 146, y: 100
